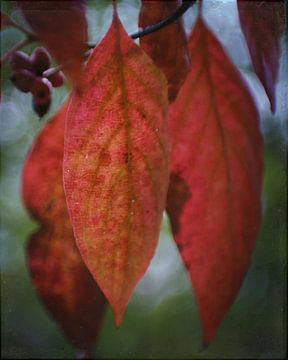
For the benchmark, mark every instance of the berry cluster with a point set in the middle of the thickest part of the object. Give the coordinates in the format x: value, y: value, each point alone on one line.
x: 33, y: 74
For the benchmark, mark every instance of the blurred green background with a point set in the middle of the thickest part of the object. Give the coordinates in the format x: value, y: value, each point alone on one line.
x: 161, y: 320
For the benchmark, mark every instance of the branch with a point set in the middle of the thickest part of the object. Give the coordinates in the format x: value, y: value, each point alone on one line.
x: 16, y: 47
x: 29, y: 34
x: 161, y: 24
x: 148, y: 30
x: 30, y: 37
x: 6, y: 21
x: 170, y: 19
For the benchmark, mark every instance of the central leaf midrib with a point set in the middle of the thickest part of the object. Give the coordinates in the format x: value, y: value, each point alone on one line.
x: 205, y: 49
x: 127, y: 126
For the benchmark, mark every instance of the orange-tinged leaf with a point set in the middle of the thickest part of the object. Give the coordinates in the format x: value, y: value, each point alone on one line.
x: 216, y: 176
x: 115, y: 164
x: 167, y: 46
x: 62, y: 27
x: 263, y: 23
x: 62, y: 281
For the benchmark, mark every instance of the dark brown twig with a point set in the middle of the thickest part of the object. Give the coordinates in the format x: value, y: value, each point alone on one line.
x: 170, y: 19
x: 16, y: 47
x: 161, y: 24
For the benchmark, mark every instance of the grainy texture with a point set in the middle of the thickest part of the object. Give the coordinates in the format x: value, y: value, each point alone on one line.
x: 62, y: 281
x: 263, y: 24
x: 62, y: 27
x: 5, y: 21
x: 167, y: 47
x: 215, y: 189
x: 116, y: 164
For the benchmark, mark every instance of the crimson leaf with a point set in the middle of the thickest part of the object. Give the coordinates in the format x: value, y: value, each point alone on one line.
x: 216, y: 176
x: 116, y: 164
x: 62, y: 281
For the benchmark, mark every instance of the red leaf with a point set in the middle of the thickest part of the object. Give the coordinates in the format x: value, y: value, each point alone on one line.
x: 115, y: 164
x: 167, y: 46
x: 62, y: 280
x: 62, y: 27
x: 214, y: 193
x: 263, y: 23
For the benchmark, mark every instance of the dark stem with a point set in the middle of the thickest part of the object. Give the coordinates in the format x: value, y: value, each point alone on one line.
x: 16, y: 47
x: 179, y: 12
x: 29, y: 34
x: 148, y: 30
x: 200, y: 7
x: 152, y: 28
x: 30, y: 37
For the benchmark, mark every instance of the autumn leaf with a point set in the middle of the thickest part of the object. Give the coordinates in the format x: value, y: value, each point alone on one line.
x: 263, y: 24
x: 116, y: 164
x: 167, y: 47
x: 216, y: 176
x: 60, y: 277
x: 62, y: 27
x: 43, y: 166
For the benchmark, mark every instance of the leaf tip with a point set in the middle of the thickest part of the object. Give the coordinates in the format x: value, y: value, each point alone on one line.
x: 272, y: 106
x: 118, y: 311
x: 204, y: 345
x: 118, y: 318
x: 208, y: 335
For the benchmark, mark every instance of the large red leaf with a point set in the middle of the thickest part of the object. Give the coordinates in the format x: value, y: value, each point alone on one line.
x: 262, y: 23
x: 62, y: 27
x: 216, y: 176
x: 62, y: 280
x: 115, y: 164
x: 167, y: 46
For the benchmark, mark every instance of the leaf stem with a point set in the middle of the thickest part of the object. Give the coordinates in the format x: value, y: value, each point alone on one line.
x: 16, y: 47
x: 200, y: 7
x: 170, y: 19
x: 29, y: 34
x: 148, y: 30
x: 11, y: 23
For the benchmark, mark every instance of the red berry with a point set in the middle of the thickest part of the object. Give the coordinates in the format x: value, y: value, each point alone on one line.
x: 41, y: 108
x: 41, y: 60
x: 41, y: 90
x: 56, y: 78
x: 20, y: 60
x: 23, y: 79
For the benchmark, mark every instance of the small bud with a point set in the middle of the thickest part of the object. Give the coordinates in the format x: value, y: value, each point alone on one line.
x: 41, y: 90
x: 41, y: 60
x: 41, y: 108
x: 23, y: 79
x: 20, y: 60
x: 56, y: 78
